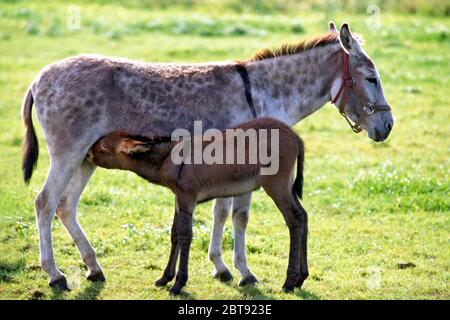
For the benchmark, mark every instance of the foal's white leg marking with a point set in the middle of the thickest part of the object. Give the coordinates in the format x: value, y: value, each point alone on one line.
x: 221, y: 211
x: 241, y: 207
x: 67, y: 213
x: 60, y: 172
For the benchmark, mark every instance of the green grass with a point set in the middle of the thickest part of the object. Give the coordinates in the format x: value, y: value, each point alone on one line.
x: 379, y: 213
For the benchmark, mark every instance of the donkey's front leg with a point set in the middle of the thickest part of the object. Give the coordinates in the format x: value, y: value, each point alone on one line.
x: 184, y: 228
x: 241, y: 207
x: 169, y: 272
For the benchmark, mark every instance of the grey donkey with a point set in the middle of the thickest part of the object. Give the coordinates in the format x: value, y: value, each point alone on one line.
x: 81, y: 99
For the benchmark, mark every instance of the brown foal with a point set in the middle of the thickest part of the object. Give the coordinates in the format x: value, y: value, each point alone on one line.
x: 151, y: 158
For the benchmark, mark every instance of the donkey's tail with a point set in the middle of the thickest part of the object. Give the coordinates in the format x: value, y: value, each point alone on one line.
x: 297, y: 188
x: 30, y: 142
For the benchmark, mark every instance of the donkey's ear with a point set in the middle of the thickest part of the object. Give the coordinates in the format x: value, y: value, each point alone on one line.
x: 348, y: 42
x: 131, y: 146
x: 332, y: 27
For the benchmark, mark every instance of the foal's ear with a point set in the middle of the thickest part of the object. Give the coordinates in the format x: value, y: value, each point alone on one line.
x: 348, y: 41
x: 131, y: 146
x: 332, y: 27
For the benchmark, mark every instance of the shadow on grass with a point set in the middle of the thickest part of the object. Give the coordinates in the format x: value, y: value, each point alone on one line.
x: 58, y: 294
x: 8, y: 269
x: 253, y: 292
x: 183, y: 296
x: 307, y: 295
x: 91, y: 292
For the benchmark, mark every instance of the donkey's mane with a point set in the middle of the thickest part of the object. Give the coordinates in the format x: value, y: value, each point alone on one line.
x: 293, y: 48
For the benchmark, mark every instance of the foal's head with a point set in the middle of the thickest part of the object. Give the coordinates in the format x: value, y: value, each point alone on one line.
x: 122, y: 150
x: 362, y: 99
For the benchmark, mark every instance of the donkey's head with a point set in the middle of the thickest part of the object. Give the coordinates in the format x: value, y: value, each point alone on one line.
x: 358, y: 92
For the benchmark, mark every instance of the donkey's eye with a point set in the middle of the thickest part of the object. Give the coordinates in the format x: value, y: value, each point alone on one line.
x: 372, y: 80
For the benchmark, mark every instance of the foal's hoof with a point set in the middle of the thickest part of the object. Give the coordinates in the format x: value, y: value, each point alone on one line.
x: 161, y: 282
x: 291, y: 284
x: 224, y: 276
x: 96, y: 277
x: 299, y: 283
x: 250, y: 280
x: 303, y: 277
x: 59, y: 284
x: 175, y: 290
x: 288, y: 287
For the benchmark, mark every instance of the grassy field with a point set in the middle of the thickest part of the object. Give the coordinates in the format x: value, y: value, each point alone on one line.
x: 379, y: 213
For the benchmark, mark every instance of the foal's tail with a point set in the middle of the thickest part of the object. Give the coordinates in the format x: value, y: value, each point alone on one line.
x: 30, y: 143
x: 297, y: 188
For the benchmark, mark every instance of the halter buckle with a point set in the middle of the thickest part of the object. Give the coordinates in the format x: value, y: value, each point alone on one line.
x: 369, y: 108
x: 356, y: 128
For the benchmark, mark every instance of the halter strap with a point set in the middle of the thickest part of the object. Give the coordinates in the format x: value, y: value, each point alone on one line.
x: 347, y: 84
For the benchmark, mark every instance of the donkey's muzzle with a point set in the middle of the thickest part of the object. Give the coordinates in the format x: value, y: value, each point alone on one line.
x: 382, y: 134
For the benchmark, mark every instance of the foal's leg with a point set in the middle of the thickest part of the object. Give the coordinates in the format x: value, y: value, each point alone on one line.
x: 67, y: 213
x: 295, y: 219
x: 169, y: 272
x: 60, y: 172
x: 221, y: 211
x: 303, y: 250
x: 185, y: 209
x: 241, y: 207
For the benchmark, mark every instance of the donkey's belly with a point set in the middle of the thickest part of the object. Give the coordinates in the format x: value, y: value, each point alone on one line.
x: 225, y: 190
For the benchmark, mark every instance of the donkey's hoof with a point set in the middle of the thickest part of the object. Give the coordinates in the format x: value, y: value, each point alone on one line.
x: 250, y: 280
x: 161, y: 282
x: 96, y: 277
x: 59, y: 284
x: 224, y: 276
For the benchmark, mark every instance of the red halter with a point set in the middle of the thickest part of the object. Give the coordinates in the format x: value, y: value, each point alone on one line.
x: 347, y: 85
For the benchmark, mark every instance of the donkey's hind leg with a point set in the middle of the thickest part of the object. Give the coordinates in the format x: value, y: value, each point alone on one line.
x: 221, y: 211
x: 241, y: 207
x: 67, y: 213
x: 61, y: 170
